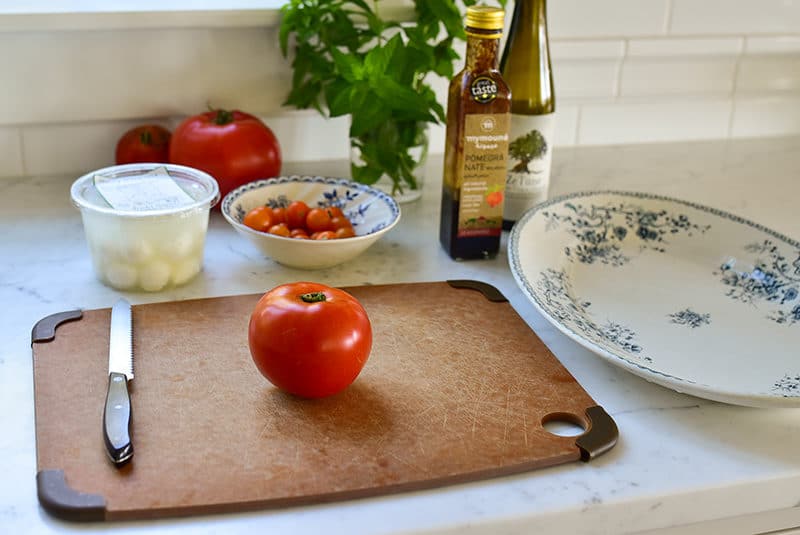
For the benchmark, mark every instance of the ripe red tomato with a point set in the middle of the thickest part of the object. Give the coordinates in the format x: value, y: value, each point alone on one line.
x: 280, y: 215
x: 280, y: 230
x: 232, y: 146
x: 148, y: 143
x: 299, y: 233
x: 296, y: 214
x: 259, y: 218
x: 318, y: 220
x: 345, y: 232
x: 309, y: 339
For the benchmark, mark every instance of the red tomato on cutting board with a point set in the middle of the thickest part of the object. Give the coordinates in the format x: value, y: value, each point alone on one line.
x: 232, y: 146
x: 309, y: 339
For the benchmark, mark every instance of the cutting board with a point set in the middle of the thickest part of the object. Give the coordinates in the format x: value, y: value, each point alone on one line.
x: 457, y: 388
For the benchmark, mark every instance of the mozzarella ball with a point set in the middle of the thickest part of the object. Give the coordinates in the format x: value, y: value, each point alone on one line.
x: 154, y: 275
x: 120, y: 274
x: 185, y: 269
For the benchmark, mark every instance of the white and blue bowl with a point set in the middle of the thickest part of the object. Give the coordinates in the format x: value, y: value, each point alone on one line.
x: 372, y: 212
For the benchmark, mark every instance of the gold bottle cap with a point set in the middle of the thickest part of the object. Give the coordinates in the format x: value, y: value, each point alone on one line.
x: 485, y: 18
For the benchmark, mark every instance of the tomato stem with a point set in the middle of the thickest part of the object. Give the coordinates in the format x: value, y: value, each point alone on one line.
x: 223, y: 117
x: 313, y: 297
x: 146, y: 138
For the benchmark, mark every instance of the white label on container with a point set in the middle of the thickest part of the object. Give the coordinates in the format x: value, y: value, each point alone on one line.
x: 155, y: 190
x: 530, y: 153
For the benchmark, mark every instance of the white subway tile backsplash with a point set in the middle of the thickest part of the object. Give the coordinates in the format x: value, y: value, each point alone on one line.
x: 647, y: 121
x: 625, y: 71
x: 674, y: 76
x: 307, y: 136
x: 10, y: 152
x: 566, y: 129
x: 671, y: 47
x: 587, y: 49
x: 734, y: 17
x: 783, y: 44
x: 759, y: 74
x: 84, y: 76
x: 576, y: 79
x: 770, y: 116
x: 72, y: 148
x: 609, y: 18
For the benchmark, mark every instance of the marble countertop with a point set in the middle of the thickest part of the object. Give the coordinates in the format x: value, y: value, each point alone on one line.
x: 682, y: 464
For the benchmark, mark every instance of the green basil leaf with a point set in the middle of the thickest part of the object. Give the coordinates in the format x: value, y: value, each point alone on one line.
x: 369, y: 117
x: 338, y: 95
x: 366, y: 174
x: 348, y: 67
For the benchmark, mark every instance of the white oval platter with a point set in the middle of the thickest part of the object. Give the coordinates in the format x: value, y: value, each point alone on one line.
x: 686, y: 296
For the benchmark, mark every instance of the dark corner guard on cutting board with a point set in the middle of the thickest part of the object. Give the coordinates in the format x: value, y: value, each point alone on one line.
x: 489, y: 292
x: 45, y: 328
x: 64, y: 502
x: 601, y: 435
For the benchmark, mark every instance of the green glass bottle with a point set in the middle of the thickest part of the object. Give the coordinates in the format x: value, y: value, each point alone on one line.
x: 525, y: 65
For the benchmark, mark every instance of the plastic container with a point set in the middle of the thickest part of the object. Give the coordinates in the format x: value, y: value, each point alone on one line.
x: 146, y: 250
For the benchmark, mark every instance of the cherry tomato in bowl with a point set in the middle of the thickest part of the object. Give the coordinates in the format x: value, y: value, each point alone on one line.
x: 147, y: 143
x: 309, y: 339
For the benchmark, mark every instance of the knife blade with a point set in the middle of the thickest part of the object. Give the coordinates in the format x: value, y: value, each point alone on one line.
x: 117, y: 412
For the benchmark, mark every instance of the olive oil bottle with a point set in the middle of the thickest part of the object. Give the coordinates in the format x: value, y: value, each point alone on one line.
x: 526, y: 67
x: 476, y: 149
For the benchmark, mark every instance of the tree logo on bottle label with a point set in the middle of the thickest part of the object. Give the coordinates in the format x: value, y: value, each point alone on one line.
x: 483, y: 89
x: 525, y: 149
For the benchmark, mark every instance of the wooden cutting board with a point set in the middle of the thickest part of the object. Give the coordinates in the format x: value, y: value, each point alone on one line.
x: 457, y: 388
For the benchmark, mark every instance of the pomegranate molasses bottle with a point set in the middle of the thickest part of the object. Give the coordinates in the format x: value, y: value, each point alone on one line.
x: 476, y: 146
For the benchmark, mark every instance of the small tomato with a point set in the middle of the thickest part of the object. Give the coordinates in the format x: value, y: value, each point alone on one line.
x: 345, y: 232
x: 319, y: 220
x: 259, y: 218
x: 143, y: 144
x: 280, y: 230
x: 296, y: 214
x: 324, y: 235
x: 309, y: 339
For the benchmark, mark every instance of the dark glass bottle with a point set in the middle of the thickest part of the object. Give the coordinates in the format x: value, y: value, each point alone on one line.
x: 476, y: 143
x: 526, y: 67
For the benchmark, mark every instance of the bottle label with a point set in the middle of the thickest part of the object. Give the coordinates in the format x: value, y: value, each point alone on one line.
x: 483, y: 174
x: 530, y: 155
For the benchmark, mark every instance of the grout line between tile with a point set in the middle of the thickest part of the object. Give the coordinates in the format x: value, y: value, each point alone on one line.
x: 578, y: 117
x: 734, y: 85
x: 620, y: 67
x: 668, y: 16
x: 21, y: 140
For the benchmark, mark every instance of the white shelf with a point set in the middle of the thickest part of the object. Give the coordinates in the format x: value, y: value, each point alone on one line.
x: 74, y: 15
x: 44, y: 15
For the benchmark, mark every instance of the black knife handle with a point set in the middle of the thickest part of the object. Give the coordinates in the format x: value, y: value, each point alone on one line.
x: 117, y: 419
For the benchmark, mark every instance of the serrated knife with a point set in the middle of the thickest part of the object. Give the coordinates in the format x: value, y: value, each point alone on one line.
x: 117, y: 412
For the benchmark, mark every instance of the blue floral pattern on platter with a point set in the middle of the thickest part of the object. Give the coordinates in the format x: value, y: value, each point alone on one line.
x: 770, y: 277
x: 561, y: 303
x: 788, y: 386
x: 574, y: 239
x: 602, y: 229
x: 690, y: 318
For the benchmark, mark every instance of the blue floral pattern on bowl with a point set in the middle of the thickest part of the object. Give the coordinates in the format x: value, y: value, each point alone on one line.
x: 371, y: 212
x: 354, y: 200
